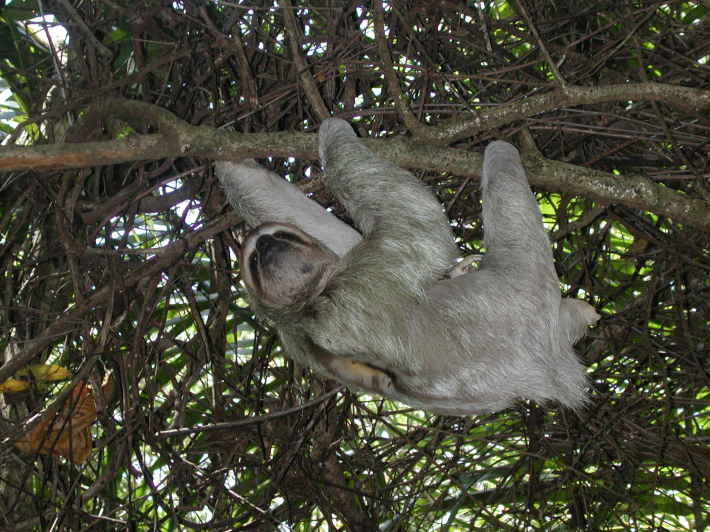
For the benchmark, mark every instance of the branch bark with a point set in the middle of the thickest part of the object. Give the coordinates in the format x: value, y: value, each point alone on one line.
x: 688, y: 99
x: 179, y: 139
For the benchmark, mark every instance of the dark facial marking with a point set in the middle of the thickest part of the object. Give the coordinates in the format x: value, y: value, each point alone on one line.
x: 254, y: 269
x: 288, y: 237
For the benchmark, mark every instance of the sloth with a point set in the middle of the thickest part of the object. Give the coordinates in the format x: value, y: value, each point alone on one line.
x: 380, y: 310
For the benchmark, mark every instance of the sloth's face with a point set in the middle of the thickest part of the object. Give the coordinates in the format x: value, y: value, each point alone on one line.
x: 281, y: 265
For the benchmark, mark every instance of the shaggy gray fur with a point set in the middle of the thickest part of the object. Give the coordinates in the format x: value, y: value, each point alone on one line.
x: 388, y: 321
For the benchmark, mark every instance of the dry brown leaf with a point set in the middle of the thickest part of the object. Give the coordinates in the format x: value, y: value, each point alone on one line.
x: 67, y: 432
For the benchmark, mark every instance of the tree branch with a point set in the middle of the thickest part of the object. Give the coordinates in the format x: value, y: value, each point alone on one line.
x: 688, y: 99
x: 296, y: 46
x: 68, y: 321
x: 182, y: 139
x: 400, y: 102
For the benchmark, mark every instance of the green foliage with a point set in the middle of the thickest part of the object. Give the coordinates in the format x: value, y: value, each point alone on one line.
x: 188, y: 353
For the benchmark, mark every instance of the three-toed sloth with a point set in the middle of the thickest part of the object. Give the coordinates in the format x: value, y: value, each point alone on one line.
x: 376, y: 310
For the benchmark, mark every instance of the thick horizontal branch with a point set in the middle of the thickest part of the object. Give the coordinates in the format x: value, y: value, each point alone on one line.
x: 186, y: 140
x: 193, y: 141
x: 630, y: 190
x: 689, y: 99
